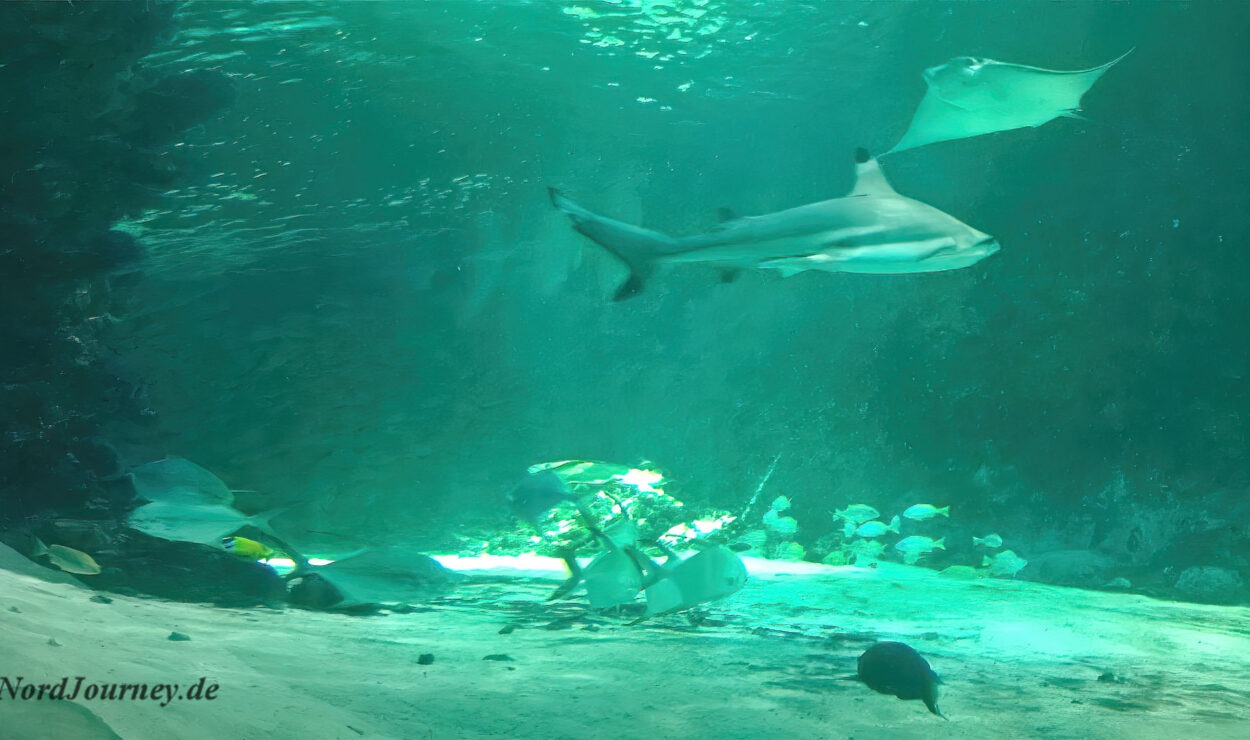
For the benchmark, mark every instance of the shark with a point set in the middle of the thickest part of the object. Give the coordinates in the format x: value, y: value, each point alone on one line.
x: 871, y: 230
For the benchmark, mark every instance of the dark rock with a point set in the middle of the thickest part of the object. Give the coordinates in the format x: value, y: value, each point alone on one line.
x: 177, y: 637
x: 70, y: 173
x: 502, y: 657
x: 101, y: 599
x: 184, y: 571
x: 425, y: 659
x: 1211, y: 585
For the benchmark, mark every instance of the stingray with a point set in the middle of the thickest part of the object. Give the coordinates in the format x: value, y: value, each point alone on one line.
x: 389, y: 574
x: 970, y: 97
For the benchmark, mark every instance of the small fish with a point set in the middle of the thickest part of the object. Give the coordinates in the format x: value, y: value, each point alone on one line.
x: 898, y: 670
x: 68, y: 559
x: 857, y: 514
x: 991, y: 541
x: 246, y: 549
x: 791, y: 551
x: 865, y: 552
x: 920, y: 512
x: 538, y: 493
x: 782, y: 526
x: 1005, y: 564
x: 781, y: 503
x: 871, y: 548
x: 877, y: 528
x: 753, y: 540
x: 913, y: 547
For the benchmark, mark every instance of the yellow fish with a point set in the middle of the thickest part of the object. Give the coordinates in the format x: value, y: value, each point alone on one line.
x: 246, y: 549
x: 68, y: 559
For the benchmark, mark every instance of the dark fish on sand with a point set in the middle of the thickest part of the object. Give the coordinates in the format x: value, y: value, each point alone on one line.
x: 896, y: 669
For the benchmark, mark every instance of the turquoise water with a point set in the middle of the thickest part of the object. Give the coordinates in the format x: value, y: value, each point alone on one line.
x: 310, y: 248
x: 366, y: 301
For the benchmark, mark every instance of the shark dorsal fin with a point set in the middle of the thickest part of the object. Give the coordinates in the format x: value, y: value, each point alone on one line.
x: 869, y: 180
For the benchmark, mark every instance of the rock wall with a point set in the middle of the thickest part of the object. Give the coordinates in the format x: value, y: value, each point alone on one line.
x: 85, y: 129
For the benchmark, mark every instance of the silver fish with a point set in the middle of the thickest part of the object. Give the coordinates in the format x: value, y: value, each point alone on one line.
x: 857, y: 514
x: 911, y: 548
x: 991, y: 541
x: 877, y: 528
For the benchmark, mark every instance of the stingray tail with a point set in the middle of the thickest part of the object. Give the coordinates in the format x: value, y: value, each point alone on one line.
x: 1089, y: 76
x: 1115, y: 61
x: 635, y: 246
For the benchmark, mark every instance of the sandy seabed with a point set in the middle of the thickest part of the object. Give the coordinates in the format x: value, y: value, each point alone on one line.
x: 1019, y: 660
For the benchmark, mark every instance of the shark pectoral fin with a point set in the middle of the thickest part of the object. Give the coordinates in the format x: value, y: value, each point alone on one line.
x: 632, y: 286
x: 790, y: 266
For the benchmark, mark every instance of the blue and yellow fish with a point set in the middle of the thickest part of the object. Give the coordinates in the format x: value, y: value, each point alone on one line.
x: 246, y: 549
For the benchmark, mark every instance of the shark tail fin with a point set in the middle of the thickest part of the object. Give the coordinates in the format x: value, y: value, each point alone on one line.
x: 635, y: 246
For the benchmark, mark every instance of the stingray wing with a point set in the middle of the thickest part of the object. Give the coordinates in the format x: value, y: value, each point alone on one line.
x: 387, y: 575
x: 940, y: 120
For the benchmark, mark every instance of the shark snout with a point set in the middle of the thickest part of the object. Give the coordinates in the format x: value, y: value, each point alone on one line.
x: 987, y: 246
